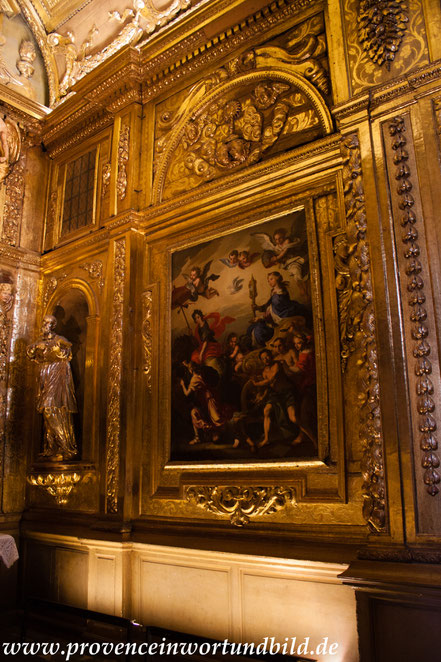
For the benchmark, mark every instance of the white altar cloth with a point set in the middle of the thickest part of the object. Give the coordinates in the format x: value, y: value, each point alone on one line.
x: 8, y: 550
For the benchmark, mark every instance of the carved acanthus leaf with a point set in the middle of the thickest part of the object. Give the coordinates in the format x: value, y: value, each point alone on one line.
x: 358, y: 331
x: 240, y: 503
x: 58, y: 484
x: 381, y: 28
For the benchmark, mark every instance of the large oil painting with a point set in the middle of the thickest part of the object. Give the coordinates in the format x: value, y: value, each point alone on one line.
x: 243, y: 361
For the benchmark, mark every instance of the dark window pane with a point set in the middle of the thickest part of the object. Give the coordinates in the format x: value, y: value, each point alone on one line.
x: 79, y: 193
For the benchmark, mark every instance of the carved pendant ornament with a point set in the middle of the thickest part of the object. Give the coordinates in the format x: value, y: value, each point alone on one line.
x: 381, y: 28
x: 58, y: 485
x: 418, y: 313
x: 260, y: 103
x: 357, y: 329
x: 240, y: 503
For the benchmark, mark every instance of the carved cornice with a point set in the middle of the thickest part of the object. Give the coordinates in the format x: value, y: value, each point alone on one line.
x: 220, y: 46
x: 114, y: 378
x: 415, y: 278
x: 240, y: 504
x: 18, y: 256
x: 358, y: 332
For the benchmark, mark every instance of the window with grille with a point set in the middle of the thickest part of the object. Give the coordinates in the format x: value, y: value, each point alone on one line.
x: 79, y: 193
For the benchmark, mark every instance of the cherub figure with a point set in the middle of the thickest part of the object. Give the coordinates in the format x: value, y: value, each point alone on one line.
x: 232, y: 260
x: 198, y: 282
x: 246, y: 260
x: 286, y: 249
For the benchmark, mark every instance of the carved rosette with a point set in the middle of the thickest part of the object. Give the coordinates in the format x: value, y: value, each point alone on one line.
x: 95, y: 271
x: 240, y: 503
x: 147, y: 342
x: 123, y: 157
x: 417, y: 311
x: 381, y: 28
x: 114, y: 379
x: 357, y: 329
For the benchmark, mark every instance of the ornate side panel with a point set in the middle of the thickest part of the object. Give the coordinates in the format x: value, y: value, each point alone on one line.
x: 418, y: 319
x: 114, y: 378
x: 385, y: 39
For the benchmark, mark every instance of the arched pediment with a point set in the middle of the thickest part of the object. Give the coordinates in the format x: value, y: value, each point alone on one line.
x: 231, y: 122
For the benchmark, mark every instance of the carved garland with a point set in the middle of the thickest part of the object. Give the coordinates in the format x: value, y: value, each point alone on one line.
x: 381, y: 28
x: 240, y: 503
x: 357, y: 327
x: 418, y: 314
x: 114, y: 388
x: 147, y: 303
x: 13, y: 210
x: 6, y: 301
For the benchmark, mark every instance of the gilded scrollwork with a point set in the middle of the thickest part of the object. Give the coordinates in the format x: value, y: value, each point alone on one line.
x: 240, y: 503
x: 147, y: 339
x: 358, y: 331
x: 260, y: 102
x: 123, y: 157
x: 105, y: 178
x: 6, y: 302
x: 417, y: 308
x: 381, y: 28
x: 114, y: 382
x: 95, y: 271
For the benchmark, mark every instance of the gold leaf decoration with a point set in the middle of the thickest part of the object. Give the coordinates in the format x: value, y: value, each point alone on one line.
x: 240, y: 503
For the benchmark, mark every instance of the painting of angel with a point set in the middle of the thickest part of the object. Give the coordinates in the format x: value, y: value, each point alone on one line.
x: 243, y: 362
x: 197, y: 284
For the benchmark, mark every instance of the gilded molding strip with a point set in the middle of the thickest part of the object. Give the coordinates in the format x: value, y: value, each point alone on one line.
x: 417, y: 312
x: 115, y: 369
x: 147, y: 340
x: 13, y: 209
x: 6, y: 302
x: 240, y: 503
x: 358, y: 334
x: 123, y: 157
x: 381, y: 28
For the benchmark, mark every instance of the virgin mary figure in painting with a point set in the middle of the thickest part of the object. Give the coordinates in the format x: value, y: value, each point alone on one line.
x: 278, y: 307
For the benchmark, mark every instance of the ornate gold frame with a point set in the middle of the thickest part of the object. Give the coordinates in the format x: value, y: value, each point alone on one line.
x: 255, y: 488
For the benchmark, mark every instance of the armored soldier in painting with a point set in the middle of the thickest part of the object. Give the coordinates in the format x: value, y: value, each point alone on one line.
x: 56, y: 396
